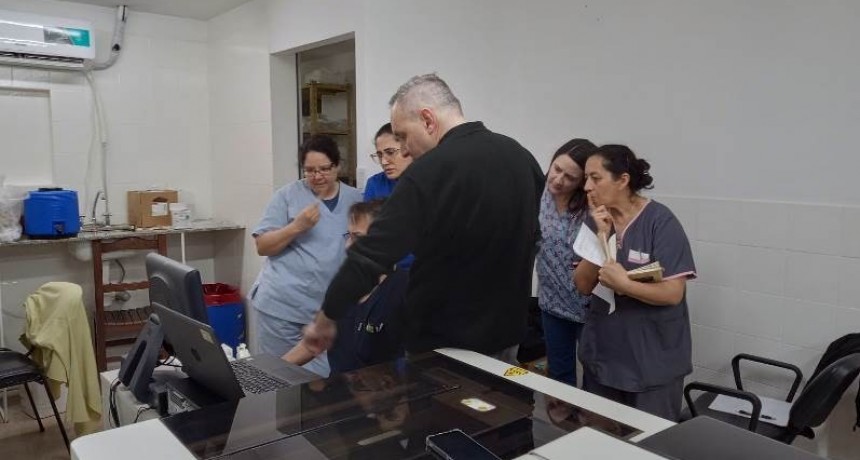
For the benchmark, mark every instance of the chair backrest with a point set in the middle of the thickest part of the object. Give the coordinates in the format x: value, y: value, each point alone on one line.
x: 821, y: 395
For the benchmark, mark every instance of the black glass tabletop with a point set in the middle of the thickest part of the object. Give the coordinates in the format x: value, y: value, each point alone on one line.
x: 385, y: 411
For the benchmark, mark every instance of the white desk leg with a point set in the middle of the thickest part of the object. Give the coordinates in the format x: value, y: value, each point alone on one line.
x: 182, y: 245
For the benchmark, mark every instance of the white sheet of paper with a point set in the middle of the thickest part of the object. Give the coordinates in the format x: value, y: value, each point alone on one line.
x: 587, y: 245
x: 606, y: 294
x: 773, y: 411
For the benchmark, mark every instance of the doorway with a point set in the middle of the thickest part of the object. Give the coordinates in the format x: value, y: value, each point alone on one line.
x: 325, y: 80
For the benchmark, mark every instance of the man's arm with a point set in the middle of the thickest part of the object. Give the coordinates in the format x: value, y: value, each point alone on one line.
x: 392, y: 235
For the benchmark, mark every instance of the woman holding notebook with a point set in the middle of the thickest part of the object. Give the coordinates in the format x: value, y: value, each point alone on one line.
x: 563, y: 207
x: 639, y: 353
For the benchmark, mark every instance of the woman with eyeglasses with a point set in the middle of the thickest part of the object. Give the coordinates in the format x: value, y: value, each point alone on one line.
x: 381, y: 185
x: 301, y: 235
x: 563, y: 208
x: 393, y: 164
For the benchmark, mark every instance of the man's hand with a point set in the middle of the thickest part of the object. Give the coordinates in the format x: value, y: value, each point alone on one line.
x: 308, y: 217
x: 319, y: 335
x: 614, y: 276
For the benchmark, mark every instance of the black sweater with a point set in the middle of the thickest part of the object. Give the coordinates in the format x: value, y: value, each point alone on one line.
x: 468, y: 210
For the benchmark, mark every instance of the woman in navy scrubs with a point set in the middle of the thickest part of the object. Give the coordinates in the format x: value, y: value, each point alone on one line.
x: 639, y: 354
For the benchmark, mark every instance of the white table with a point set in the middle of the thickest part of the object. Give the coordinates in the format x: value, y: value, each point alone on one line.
x: 151, y: 439
x: 589, y: 444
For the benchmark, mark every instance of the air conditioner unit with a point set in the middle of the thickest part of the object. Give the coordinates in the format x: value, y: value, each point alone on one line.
x: 46, y: 42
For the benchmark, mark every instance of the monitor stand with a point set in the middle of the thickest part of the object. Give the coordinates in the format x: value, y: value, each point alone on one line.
x: 137, y: 366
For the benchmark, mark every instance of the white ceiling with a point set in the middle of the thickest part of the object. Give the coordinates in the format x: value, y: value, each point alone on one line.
x: 194, y: 9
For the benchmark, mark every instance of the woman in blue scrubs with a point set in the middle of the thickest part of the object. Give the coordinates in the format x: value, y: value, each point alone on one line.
x: 381, y: 185
x: 393, y: 164
x: 639, y: 354
x: 301, y: 235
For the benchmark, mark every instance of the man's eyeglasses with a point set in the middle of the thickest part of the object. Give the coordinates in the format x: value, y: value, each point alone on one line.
x: 322, y: 170
x: 385, y: 153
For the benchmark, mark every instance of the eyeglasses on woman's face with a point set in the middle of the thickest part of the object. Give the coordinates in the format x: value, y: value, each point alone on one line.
x: 387, y: 154
x: 321, y: 170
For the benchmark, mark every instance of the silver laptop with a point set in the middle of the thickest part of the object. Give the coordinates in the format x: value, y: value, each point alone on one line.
x: 196, y: 346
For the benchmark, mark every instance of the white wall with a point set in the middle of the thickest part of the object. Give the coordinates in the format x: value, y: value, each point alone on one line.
x: 682, y: 82
x: 241, y: 123
x: 155, y: 100
x: 745, y: 109
x: 25, y: 127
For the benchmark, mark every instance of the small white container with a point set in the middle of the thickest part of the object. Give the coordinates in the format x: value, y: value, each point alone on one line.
x: 242, y: 351
x: 180, y: 215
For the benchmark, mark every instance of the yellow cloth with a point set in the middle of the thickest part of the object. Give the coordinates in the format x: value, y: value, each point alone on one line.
x: 58, y: 328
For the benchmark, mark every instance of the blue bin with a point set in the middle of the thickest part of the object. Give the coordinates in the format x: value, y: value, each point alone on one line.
x: 226, y: 313
x: 51, y: 213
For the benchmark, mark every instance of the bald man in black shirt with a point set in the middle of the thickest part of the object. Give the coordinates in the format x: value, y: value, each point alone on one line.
x: 468, y: 209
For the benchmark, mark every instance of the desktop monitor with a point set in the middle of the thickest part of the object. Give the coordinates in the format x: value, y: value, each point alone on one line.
x: 176, y: 286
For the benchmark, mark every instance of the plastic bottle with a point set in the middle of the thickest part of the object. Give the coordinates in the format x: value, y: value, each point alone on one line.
x: 228, y: 352
x: 242, y: 351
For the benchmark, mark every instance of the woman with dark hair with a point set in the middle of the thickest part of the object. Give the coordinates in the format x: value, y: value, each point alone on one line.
x: 563, y: 207
x: 389, y: 156
x: 381, y: 185
x: 301, y: 235
x: 639, y: 354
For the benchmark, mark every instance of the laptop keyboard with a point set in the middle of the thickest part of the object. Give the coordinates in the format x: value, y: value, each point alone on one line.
x: 254, y: 380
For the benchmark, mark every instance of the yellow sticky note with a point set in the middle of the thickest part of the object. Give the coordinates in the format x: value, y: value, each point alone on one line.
x: 515, y: 372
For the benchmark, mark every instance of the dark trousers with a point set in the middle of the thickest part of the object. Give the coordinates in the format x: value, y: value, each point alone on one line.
x: 663, y: 401
x: 561, y: 337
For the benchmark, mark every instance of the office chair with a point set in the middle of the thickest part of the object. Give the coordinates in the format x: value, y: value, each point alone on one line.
x: 18, y: 369
x: 810, y: 410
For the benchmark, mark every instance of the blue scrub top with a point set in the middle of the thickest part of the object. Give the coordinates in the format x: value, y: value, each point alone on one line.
x: 292, y: 284
x: 556, y: 260
x: 378, y: 186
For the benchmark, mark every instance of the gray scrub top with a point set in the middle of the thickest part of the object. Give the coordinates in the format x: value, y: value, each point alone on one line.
x: 640, y: 347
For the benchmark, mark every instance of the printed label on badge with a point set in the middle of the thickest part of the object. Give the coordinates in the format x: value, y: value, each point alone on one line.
x: 477, y: 404
x: 515, y: 372
x: 206, y: 335
x: 637, y: 257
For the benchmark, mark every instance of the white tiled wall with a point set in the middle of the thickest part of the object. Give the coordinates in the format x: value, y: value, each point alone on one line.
x: 156, y: 102
x: 25, y: 128
x: 241, y: 124
x: 780, y: 280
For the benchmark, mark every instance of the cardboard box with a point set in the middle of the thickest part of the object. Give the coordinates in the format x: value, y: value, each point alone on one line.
x: 150, y: 208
